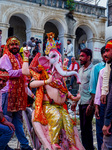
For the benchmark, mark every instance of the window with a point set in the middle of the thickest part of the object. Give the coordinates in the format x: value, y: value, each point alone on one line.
x: 110, y: 13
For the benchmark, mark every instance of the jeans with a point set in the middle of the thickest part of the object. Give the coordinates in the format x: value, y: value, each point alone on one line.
x: 86, y: 127
x: 5, y: 135
x: 17, y: 121
x: 99, y: 126
x: 73, y: 78
x: 69, y: 57
x: 107, y: 142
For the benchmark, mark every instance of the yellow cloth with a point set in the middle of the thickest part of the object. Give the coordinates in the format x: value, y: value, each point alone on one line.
x: 58, y: 118
x: 21, y: 52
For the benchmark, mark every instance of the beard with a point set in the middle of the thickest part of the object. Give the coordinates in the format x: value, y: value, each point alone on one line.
x: 14, y: 51
x: 109, y: 61
x: 83, y: 62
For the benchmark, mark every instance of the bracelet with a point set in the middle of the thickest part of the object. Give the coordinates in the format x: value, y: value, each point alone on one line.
x: 3, y: 119
x: 45, y: 82
x: 26, y: 59
x: 33, y: 96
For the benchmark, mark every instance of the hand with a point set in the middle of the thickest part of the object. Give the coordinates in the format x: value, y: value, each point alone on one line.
x: 77, y: 97
x: 26, y: 53
x: 103, y: 99
x: 105, y: 130
x: 73, y: 106
x: 9, y: 124
x: 89, y: 110
x: 97, y: 112
x: 50, y: 79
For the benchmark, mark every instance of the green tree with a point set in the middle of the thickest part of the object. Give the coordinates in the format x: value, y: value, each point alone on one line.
x: 70, y: 5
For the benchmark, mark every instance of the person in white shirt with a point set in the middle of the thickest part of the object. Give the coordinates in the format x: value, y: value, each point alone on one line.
x: 69, y: 52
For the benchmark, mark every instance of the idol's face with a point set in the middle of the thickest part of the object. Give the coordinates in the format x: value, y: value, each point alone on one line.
x: 14, y: 48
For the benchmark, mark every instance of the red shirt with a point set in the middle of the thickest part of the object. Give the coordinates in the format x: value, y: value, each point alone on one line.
x: 74, y: 66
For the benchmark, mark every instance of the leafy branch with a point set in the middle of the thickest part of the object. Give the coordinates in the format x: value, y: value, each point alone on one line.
x: 70, y: 5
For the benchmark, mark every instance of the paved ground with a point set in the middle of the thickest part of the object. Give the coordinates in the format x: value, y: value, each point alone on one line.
x: 14, y: 142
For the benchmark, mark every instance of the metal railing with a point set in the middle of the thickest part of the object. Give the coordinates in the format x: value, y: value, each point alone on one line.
x: 79, y: 6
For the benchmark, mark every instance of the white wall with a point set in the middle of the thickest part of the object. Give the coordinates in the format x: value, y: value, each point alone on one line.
x: 108, y: 29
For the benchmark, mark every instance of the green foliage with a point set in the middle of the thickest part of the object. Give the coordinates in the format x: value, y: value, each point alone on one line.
x: 70, y: 5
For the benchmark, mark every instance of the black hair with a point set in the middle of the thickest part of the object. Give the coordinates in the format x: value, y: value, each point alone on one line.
x: 3, y: 70
x: 88, y: 52
x: 69, y: 40
x: 102, y: 50
x: 0, y: 30
x: 32, y: 38
x: 24, y: 44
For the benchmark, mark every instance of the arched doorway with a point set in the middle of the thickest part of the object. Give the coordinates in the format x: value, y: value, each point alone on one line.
x: 50, y: 27
x: 17, y: 28
x: 57, y: 28
x: 83, y: 33
x: 20, y: 26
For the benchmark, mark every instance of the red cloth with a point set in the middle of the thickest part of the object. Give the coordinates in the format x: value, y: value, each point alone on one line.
x: 73, y: 65
x: 109, y: 45
x: 17, y: 97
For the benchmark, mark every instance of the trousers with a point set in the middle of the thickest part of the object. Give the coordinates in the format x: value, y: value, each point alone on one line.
x: 58, y: 118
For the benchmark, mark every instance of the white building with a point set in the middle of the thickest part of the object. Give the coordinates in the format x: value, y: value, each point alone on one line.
x: 108, y: 13
x: 26, y: 18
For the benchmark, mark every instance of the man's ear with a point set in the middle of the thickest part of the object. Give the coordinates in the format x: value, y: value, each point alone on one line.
x: 89, y: 58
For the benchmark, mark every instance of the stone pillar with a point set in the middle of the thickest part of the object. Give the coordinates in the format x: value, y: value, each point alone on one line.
x: 4, y: 27
x: 36, y: 33
x: 73, y: 42
x: 63, y: 39
x: 95, y: 45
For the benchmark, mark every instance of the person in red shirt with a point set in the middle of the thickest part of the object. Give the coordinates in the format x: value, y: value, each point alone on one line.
x: 75, y: 67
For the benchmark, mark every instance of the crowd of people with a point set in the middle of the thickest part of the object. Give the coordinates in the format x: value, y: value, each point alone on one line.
x: 95, y: 92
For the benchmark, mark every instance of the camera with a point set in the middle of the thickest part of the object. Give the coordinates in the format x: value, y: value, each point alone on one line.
x: 38, y: 41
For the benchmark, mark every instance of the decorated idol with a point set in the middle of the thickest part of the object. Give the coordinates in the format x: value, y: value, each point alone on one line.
x: 50, y: 117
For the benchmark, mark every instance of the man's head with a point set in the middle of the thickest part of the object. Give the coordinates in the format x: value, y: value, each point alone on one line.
x: 58, y: 38
x: 73, y: 59
x: 0, y: 31
x: 32, y: 39
x: 4, y: 76
x: 13, y: 45
x: 24, y: 44
x: 85, y: 56
x: 108, y: 51
x: 83, y: 41
x: 103, y: 53
x: 68, y: 41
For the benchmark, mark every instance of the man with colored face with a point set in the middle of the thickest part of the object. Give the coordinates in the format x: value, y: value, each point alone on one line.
x: 86, y: 109
x: 99, y: 108
x: 14, y: 98
x: 107, y: 128
x: 6, y: 127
